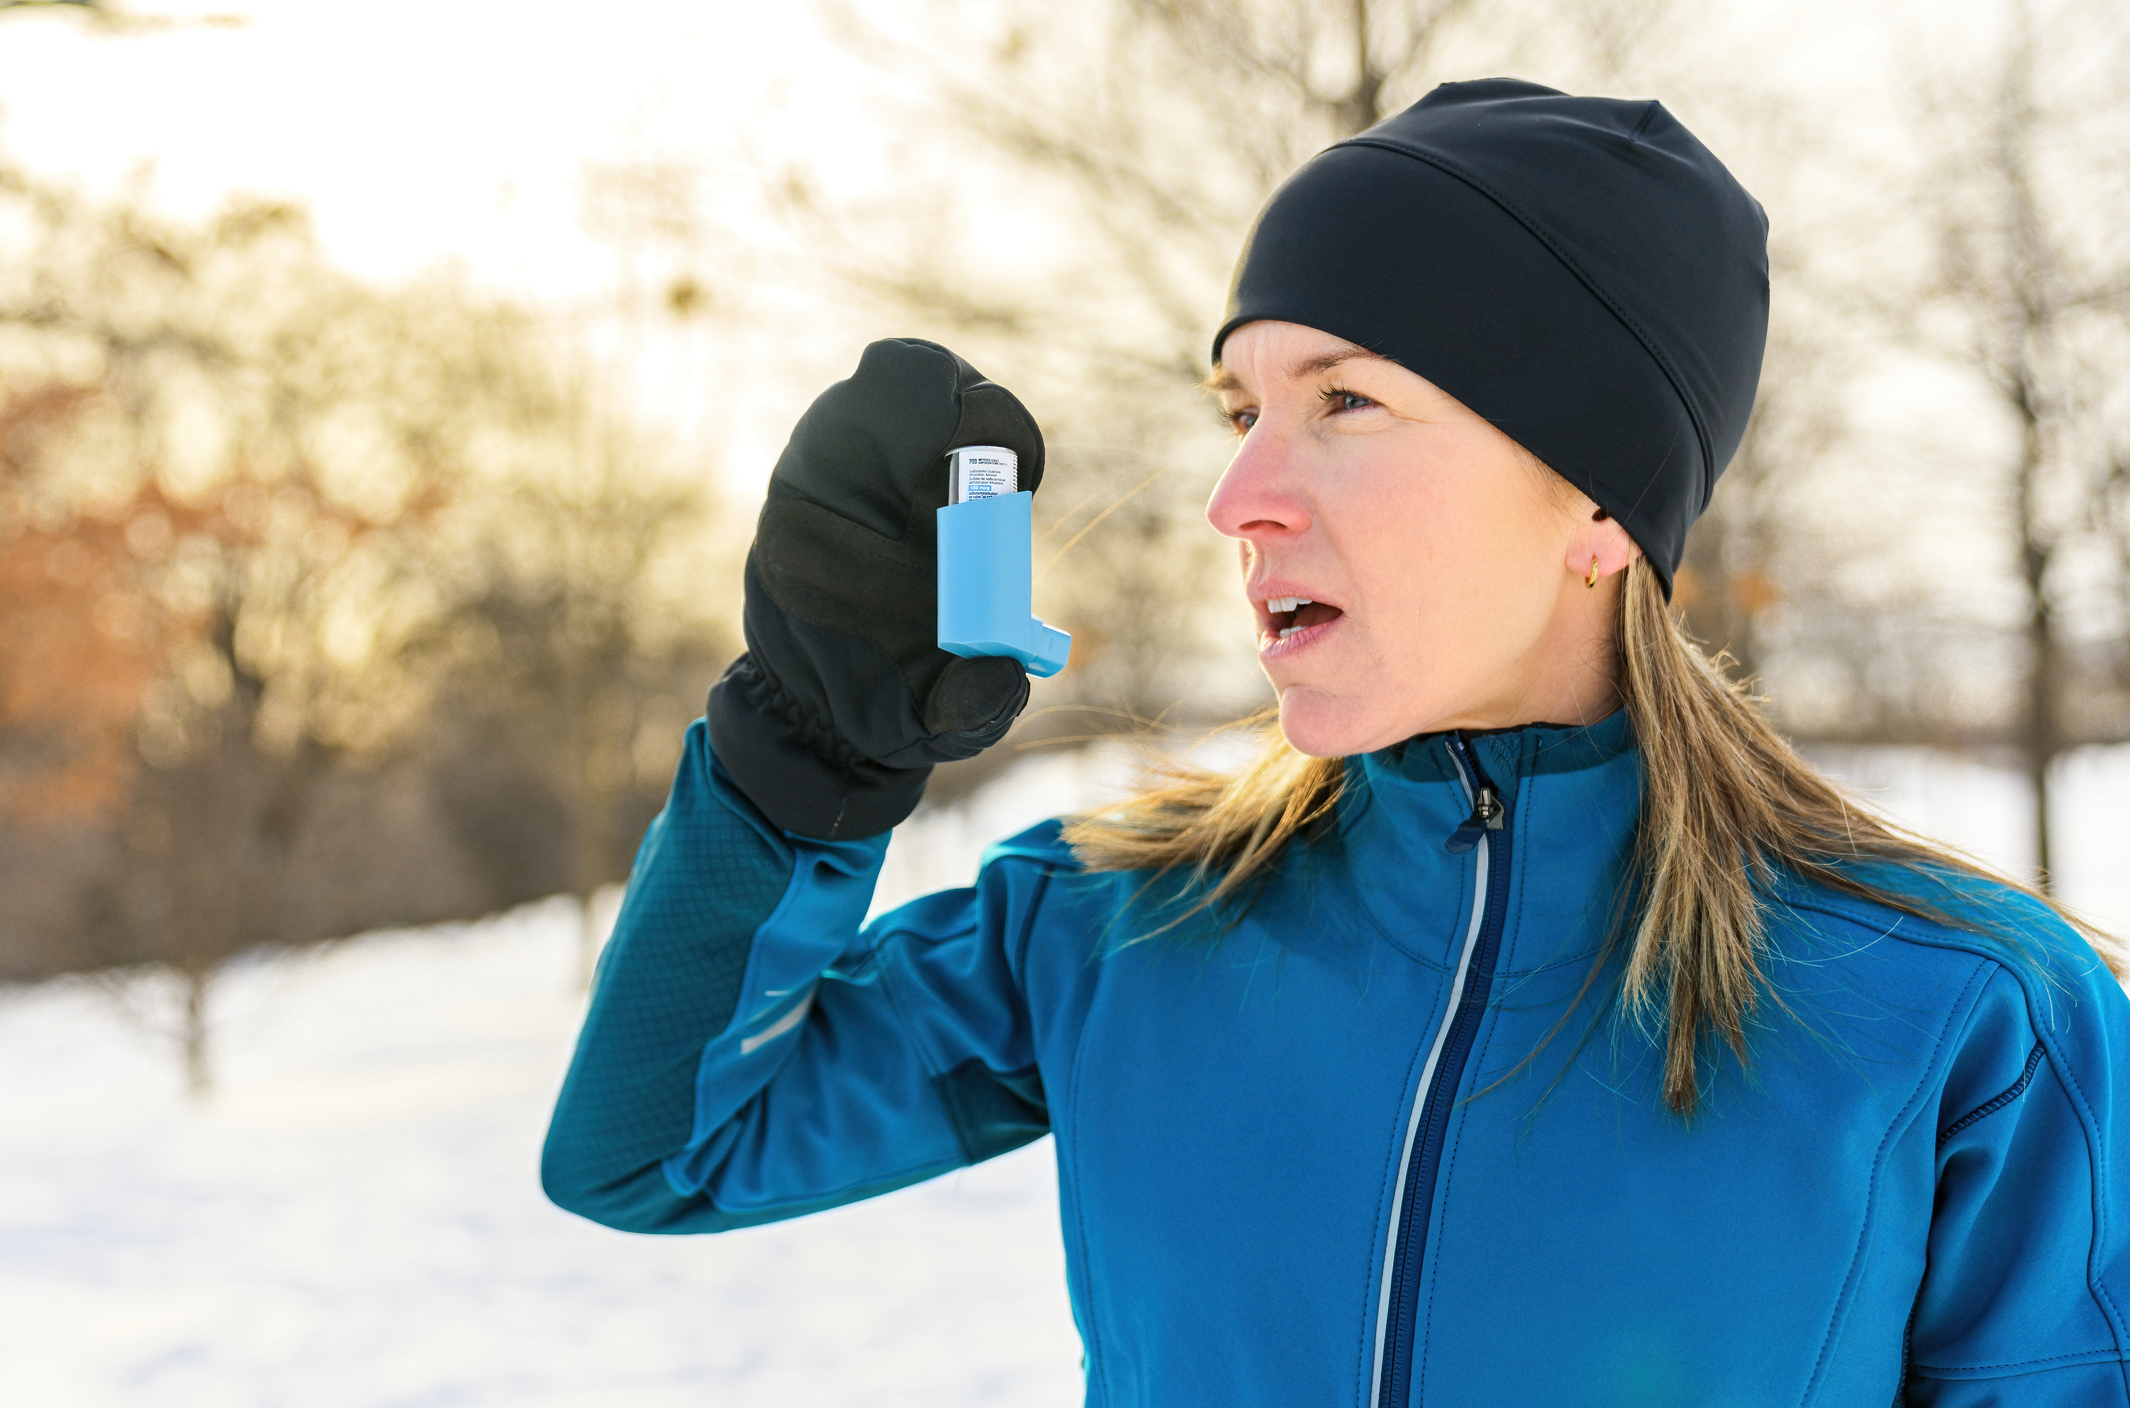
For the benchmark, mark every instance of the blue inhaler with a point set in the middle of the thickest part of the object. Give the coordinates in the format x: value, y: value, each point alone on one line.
x: 986, y: 570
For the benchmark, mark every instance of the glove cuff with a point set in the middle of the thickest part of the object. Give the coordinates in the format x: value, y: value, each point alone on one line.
x: 801, y: 775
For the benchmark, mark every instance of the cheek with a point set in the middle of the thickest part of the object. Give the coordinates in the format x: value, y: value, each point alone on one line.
x: 1418, y: 546
x: 1455, y: 556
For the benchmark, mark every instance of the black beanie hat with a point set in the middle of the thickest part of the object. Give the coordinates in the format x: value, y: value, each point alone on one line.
x: 1580, y: 271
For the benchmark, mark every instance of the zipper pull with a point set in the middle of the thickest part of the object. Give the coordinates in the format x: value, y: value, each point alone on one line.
x: 1487, y: 810
x: 1485, y: 817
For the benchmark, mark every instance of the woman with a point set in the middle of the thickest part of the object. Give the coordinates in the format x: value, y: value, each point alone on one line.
x: 1529, y: 1025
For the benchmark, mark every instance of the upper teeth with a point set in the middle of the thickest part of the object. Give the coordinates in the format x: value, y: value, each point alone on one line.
x: 1279, y: 604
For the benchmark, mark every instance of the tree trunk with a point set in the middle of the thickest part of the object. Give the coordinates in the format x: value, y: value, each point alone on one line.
x: 2043, y: 739
x: 199, y: 1079
x: 587, y: 937
x: 595, y: 811
x: 2030, y: 300
x: 1356, y: 112
x: 2043, y: 742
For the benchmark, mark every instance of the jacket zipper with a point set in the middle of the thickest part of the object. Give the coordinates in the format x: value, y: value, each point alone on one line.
x: 1485, y: 834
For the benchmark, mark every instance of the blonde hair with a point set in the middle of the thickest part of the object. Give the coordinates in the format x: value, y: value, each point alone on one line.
x: 1727, y: 805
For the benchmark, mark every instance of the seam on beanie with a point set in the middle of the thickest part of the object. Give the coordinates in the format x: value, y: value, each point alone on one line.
x: 1560, y: 252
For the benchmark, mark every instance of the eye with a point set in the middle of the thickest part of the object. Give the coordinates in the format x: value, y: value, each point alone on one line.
x: 1238, y: 420
x: 1338, y: 399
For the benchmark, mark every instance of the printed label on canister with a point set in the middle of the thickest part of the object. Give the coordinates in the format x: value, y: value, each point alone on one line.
x: 981, y: 471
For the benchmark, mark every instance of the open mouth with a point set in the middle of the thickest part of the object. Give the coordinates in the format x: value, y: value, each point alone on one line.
x: 1291, y: 615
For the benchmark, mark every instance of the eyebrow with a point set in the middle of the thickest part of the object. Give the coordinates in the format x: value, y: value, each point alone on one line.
x: 1224, y: 380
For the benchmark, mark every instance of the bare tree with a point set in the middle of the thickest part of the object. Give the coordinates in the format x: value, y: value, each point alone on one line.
x: 1151, y: 131
x: 251, y: 488
x: 2031, y: 293
x: 1749, y: 560
x: 560, y: 658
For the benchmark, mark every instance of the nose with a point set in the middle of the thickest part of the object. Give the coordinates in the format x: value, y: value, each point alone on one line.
x: 1258, y: 499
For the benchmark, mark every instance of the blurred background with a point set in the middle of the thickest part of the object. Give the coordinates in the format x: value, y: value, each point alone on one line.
x: 386, y: 396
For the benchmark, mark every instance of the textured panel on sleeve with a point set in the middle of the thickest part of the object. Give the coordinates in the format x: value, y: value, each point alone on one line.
x: 706, y: 877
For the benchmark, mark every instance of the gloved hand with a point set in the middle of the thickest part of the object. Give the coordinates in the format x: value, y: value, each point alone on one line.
x: 833, y: 719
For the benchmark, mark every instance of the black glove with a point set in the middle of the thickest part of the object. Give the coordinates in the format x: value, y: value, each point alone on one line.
x: 832, y: 720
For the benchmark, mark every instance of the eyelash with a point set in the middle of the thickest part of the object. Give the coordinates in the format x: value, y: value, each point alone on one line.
x: 1331, y: 396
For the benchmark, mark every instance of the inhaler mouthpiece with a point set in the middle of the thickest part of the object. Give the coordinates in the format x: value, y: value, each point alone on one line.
x: 981, y: 472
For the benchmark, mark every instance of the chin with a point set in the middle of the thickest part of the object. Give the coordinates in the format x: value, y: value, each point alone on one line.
x: 1329, y: 728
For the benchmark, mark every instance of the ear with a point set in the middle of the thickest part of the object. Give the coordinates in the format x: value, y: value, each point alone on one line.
x: 1598, y: 535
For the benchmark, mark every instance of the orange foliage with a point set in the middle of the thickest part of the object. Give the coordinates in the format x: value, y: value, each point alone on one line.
x: 82, y: 644
x: 82, y: 639
x: 85, y: 635
x: 1748, y: 593
x: 1754, y: 592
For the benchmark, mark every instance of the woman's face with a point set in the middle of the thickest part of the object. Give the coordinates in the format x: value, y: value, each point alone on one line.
x: 1441, y: 565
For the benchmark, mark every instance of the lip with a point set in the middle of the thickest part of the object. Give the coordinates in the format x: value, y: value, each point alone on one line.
x: 1258, y: 593
x: 1272, y: 647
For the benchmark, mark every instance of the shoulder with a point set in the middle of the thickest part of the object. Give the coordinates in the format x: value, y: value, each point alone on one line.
x: 1972, y: 917
x: 1041, y: 846
x: 2009, y: 969
x: 1040, y: 863
x: 1059, y: 906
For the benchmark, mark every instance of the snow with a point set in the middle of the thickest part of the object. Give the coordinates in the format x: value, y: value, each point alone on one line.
x: 1986, y: 809
x: 354, y: 1218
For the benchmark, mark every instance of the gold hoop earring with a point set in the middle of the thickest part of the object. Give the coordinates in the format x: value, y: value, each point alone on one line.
x: 1591, y: 580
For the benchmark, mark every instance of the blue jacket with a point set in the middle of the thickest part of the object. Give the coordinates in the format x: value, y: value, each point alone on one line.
x: 1365, y: 1146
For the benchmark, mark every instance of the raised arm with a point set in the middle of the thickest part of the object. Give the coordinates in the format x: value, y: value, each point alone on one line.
x: 749, y: 1054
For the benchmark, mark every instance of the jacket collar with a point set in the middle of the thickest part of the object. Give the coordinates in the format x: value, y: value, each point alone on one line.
x: 1572, y: 796
x: 1508, y: 753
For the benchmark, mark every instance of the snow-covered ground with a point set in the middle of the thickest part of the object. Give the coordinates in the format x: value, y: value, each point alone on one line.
x: 354, y: 1221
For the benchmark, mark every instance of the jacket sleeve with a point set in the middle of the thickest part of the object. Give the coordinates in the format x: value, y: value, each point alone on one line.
x: 2028, y: 1281
x: 752, y: 1054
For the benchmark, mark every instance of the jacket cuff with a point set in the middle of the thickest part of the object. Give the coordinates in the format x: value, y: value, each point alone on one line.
x: 804, y: 779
